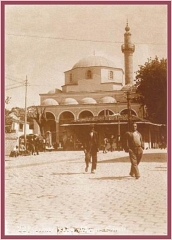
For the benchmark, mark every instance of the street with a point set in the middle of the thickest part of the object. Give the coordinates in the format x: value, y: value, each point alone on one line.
x: 50, y: 194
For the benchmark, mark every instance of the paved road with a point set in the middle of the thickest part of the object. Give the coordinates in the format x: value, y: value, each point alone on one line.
x: 50, y: 194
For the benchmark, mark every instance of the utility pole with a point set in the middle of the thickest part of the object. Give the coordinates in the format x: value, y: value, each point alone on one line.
x: 25, y: 117
x: 118, y: 137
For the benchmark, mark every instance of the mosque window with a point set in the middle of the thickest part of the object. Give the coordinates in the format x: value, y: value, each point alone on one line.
x: 111, y: 75
x: 89, y: 74
x: 70, y: 77
x: 20, y: 127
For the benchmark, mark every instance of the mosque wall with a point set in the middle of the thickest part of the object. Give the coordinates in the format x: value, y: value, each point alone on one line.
x: 95, y: 108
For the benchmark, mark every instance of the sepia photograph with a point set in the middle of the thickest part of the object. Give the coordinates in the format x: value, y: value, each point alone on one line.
x: 85, y: 143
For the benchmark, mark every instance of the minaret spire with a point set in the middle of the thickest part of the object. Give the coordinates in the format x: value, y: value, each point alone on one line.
x: 128, y: 49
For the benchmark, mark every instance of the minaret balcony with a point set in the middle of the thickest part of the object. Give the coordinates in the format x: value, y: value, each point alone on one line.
x: 128, y: 47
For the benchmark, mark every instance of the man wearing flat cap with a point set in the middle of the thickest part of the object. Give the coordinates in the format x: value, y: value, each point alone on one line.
x: 91, y: 149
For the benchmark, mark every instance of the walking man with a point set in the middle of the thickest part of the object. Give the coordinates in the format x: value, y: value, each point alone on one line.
x: 36, y: 143
x: 91, y: 149
x: 111, y: 142
x: 134, y: 145
x: 105, y: 145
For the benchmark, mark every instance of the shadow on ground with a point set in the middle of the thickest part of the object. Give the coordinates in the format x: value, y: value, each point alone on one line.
x: 74, y: 173
x: 114, y: 178
x: 147, y: 157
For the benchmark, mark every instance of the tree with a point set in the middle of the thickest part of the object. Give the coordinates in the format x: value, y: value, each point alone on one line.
x: 17, y: 114
x: 39, y: 115
x: 7, y: 100
x: 151, y: 80
x: 8, y: 120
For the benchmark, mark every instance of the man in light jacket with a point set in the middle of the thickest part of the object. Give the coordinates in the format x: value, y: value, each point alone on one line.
x: 134, y: 145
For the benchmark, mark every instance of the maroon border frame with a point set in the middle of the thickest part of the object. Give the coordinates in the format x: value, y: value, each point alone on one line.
x: 3, y: 3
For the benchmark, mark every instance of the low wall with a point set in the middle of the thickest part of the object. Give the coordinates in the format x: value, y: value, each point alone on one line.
x: 11, y: 140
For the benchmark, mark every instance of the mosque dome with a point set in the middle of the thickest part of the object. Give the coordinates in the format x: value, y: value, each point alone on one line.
x: 88, y: 100
x: 70, y: 101
x: 54, y: 91
x: 49, y: 102
x: 94, y: 61
x: 108, y: 99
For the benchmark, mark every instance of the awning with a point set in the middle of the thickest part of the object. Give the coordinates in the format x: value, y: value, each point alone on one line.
x: 107, y: 123
x: 88, y: 124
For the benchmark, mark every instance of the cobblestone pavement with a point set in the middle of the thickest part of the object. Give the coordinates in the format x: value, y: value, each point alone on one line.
x: 50, y: 194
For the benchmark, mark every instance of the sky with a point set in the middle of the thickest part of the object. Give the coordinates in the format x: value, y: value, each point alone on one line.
x: 44, y: 41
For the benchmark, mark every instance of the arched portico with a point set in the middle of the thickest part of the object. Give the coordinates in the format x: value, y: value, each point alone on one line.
x: 85, y: 114
x: 50, y: 127
x: 125, y: 112
x: 105, y: 112
x: 66, y: 135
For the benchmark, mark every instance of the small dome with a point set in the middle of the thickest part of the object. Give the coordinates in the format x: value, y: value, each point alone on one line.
x: 53, y: 91
x: 70, y: 101
x: 94, y: 61
x: 49, y: 102
x: 108, y: 99
x: 88, y: 100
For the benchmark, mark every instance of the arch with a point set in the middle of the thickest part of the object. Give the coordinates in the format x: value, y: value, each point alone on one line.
x: 50, y: 126
x: 85, y: 114
x: 66, y: 134
x: 125, y: 111
x: 50, y: 115
x: 66, y: 117
x: 105, y: 112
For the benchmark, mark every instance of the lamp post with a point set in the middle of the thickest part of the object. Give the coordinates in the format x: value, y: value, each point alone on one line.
x: 118, y: 136
x: 117, y: 115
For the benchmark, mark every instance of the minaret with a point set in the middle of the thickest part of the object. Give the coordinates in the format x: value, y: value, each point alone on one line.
x: 128, y: 49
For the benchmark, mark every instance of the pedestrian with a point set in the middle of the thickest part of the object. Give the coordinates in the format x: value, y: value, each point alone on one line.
x: 43, y: 144
x: 91, y: 149
x: 65, y: 138
x: 36, y: 144
x: 105, y: 140
x: 32, y: 145
x: 15, y: 152
x: 22, y: 149
x: 134, y: 145
x: 111, y: 141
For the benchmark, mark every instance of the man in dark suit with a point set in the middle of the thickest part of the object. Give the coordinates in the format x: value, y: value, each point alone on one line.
x: 91, y: 149
x: 134, y: 145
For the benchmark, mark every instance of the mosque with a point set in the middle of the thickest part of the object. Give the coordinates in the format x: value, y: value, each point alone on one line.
x: 96, y: 91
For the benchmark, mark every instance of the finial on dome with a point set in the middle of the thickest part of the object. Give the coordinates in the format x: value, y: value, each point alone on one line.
x: 127, y: 29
